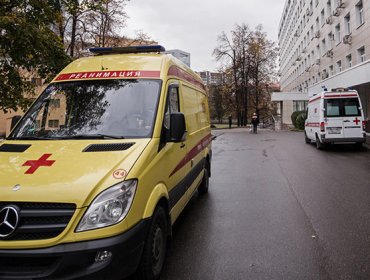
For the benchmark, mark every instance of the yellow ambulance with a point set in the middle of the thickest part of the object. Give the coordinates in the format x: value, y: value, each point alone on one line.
x: 99, y: 168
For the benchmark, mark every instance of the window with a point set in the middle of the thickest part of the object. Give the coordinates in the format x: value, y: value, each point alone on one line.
x: 54, y: 103
x: 323, y: 46
x: 351, y: 107
x: 312, y: 33
x: 316, y: 3
x: 360, y: 13
x: 361, y: 54
x: 331, y: 70
x: 330, y: 40
x: 347, y: 24
x: 337, y: 34
x: 349, y: 61
x: 53, y: 123
x: 300, y: 105
x: 317, y: 24
x: 173, y: 105
x: 332, y: 108
x: 318, y: 51
x: 343, y: 107
x: 36, y: 81
x: 328, y: 7
x: 339, y: 66
x: 322, y: 17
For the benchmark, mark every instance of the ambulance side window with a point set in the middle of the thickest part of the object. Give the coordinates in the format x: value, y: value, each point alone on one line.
x: 173, y: 105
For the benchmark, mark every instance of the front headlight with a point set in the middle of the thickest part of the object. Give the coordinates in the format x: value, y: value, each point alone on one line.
x: 109, y: 207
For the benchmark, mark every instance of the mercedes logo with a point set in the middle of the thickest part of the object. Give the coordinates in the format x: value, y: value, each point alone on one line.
x: 9, y: 219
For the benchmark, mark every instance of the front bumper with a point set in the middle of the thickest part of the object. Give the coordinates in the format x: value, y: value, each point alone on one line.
x: 77, y: 260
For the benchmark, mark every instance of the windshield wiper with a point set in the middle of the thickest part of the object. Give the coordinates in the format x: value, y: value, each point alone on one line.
x: 29, y: 138
x: 59, y: 137
x: 94, y: 136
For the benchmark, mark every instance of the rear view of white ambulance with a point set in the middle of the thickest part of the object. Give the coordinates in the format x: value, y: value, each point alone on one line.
x: 334, y: 117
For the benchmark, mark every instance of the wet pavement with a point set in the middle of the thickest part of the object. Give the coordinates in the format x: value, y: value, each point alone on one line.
x: 277, y: 209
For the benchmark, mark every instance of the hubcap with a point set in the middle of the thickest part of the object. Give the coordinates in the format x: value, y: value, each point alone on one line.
x: 158, y: 248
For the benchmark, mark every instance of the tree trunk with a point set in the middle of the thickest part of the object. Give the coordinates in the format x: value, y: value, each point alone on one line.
x: 73, y: 36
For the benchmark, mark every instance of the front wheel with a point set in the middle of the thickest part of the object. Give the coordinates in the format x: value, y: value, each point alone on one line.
x: 203, y: 187
x: 155, y: 247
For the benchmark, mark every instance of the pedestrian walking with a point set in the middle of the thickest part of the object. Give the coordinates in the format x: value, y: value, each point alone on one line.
x: 230, y: 121
x: 255, y: 122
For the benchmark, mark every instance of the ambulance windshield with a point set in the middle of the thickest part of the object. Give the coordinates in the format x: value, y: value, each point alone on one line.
x: 92, y: 109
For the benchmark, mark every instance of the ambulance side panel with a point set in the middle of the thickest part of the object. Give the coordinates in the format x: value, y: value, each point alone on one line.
x: 195, y: 106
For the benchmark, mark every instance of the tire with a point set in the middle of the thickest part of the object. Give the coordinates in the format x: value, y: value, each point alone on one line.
x: 155, y: 247
x: 306, y: 139
x: 319, y: 145
x: 358, y: 146
x: 203, y: 187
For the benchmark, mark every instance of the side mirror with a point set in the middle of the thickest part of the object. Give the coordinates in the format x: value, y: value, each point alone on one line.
x: 178, y: 127
x: 14, y: 121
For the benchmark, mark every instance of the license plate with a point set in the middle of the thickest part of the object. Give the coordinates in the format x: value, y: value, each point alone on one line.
x: 334, y: 130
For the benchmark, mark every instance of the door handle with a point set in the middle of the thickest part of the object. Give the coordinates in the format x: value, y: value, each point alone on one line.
x: 346, y: 121
x: 182, y: 145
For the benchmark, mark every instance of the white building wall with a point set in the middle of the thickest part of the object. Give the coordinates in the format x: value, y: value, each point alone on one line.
x: 311, y: 45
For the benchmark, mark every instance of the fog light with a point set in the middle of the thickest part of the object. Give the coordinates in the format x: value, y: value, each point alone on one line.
x: 103, y: 256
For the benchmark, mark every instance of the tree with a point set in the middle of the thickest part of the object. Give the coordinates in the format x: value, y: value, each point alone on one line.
x: 103, y: 22
x: 263, y: 56
x: 27, y: 45
x: 84, y: 23
x: 251, y: 58
x: 217, y: 102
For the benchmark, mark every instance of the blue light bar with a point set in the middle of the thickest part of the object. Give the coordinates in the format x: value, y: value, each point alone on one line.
x: 133, y: 49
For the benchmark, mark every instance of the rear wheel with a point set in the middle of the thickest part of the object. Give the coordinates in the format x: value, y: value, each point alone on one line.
x: 319, y: 145
x: 203, y: 187
x: 155, y: 247
x: 306, y: 139
x: 358, y: 146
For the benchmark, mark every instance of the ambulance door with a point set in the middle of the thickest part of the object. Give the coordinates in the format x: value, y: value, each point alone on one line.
x: 333, y: 118
x: 175, y: 155
x: 352, y: 118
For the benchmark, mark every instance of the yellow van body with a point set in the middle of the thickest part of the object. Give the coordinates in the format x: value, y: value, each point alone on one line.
x: 47, y: 185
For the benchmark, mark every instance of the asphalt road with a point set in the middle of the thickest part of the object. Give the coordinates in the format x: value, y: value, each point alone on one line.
x: 277, y: 209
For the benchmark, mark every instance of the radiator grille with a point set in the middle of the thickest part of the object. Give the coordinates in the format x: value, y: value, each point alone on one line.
x: 40, y: 220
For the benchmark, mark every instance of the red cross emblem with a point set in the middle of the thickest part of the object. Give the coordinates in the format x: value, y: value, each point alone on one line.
x: 356, y: 121
x: 35, y: 164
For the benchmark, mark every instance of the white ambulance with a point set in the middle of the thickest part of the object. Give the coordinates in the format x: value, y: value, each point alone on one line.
x: 335, y: 116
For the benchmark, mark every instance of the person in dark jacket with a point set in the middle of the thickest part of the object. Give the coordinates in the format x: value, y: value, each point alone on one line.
x: 255, y: 122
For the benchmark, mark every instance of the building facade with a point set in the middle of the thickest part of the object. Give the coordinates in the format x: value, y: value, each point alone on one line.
x: 211, y: 78
x: 325, y: 44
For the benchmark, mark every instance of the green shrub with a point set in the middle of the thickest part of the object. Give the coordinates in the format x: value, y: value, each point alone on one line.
x: 294, y: 117
x: 299, y: 123
x: 298, y: 118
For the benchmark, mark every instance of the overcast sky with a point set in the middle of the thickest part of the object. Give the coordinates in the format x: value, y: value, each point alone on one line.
x: 194, y: 25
